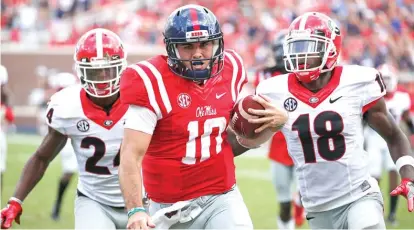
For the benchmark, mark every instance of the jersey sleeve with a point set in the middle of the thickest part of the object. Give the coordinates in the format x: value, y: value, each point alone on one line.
x: 142, y: 85
x: 272, y: 88
x: 55, y: 113
x: 372, y: 89
x: 140, y: 119
x: 239, y: 77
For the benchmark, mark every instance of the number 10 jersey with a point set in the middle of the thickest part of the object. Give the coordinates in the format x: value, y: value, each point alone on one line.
x: 96, y: 138
x: 324, y: 133
x: 189, y: 155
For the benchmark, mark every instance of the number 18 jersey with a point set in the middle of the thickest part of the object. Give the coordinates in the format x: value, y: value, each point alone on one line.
x: 96, y: 138
x: 189, y: 155
x: 324, y: 133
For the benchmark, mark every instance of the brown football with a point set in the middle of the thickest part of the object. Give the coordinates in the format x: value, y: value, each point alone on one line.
x: 240, y: 116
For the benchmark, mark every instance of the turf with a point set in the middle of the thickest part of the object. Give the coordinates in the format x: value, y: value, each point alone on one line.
x: 252, y: 174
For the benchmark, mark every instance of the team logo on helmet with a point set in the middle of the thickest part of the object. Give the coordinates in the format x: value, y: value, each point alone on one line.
x: 82, y: 125
x: 184, y: 100
x: 290, y: 104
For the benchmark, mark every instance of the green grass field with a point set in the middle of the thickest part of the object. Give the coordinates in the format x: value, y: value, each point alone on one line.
x: 253, y: 179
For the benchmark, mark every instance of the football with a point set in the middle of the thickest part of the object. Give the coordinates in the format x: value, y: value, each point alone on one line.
x: 240, y: 116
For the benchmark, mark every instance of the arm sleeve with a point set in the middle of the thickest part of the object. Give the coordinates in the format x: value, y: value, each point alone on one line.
x: 140, y: 118
x: 55, y: 114
x: 373, y: 89
x: 133, y: 89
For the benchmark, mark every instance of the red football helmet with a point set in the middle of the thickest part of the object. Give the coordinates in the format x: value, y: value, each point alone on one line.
x: 99, y: 59
x: 312, y: 46
x: 389, y: 75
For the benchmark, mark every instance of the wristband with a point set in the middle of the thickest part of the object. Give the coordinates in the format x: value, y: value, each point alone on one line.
x: 135, y: 210
x: 16, y: 200
x: 404, y: 160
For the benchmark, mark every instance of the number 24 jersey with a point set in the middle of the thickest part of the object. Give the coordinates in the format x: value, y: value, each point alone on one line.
x: 96, y: 138
x: 324, y: 133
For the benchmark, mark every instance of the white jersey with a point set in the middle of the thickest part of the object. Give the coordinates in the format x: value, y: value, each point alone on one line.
x: 96, y: 138
x: 324, y: 134
x: 397, y: 104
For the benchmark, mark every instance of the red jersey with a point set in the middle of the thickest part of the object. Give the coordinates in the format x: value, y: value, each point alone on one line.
x: 189, y: 155
x: 278, y: 148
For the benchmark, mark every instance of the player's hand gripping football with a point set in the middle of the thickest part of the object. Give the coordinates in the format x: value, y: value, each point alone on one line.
x: 271, y: 117
x: 406, y: 189
x: 10, y: 213
x: 140, y: 220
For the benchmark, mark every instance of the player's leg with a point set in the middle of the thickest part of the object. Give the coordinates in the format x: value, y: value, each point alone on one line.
x: 90, y: 214
x: 226, y: 211
x: 3, y: 157
x: 393, y: 183
x: 320, y: 220
x: 69, y: 168
x: 366, y: 213
x: 299, y: 210
x: 119, y: 216
x: 376, y: 160
x: 282, y: 178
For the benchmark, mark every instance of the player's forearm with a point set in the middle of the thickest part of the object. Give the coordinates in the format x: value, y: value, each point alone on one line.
x: 32, y: 173
x: 400, y: 146
x: 130, y: 180
x: 235, y: 145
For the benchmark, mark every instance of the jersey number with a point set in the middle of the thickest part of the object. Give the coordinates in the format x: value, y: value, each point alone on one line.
x: 216, y: 125
x: 100, y: 150
x: 49, y: 115
x: 328, y: 126
x: 380, y: 82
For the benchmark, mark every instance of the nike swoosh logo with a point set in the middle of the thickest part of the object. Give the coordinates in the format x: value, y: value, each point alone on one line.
x: 218, y: 96
x: 309, y: 218
x: 333, y: 101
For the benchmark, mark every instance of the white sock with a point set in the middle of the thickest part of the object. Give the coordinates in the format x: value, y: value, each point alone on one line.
x: 289, y: 225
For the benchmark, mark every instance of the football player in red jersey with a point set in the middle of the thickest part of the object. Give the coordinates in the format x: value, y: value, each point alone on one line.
x: 177, y: 133
x: 324, y: 132
x: 281, y: 165
x: 91, y: 115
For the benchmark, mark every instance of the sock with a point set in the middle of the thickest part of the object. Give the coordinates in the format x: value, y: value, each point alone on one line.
x: 290, y: 224
x: 393, y: 204
x: 285, y: 225
x: 62, y: 188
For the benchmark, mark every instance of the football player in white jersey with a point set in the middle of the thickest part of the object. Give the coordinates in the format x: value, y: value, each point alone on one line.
x: 6, y: 120
x: 58, y: 82
x: 91, y: 115
x: 398, y: 104
x: 326, y: 104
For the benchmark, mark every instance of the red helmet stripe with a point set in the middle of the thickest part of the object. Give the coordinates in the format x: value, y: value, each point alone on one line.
x: 194, y: 19
x: 99, y: 46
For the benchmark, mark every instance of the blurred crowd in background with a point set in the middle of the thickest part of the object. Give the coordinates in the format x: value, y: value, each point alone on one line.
x: 375, y: 31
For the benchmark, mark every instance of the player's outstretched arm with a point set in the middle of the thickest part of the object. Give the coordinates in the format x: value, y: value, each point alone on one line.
x: 133, y: 148
x: 381, y: 121
x: 33, y: 171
